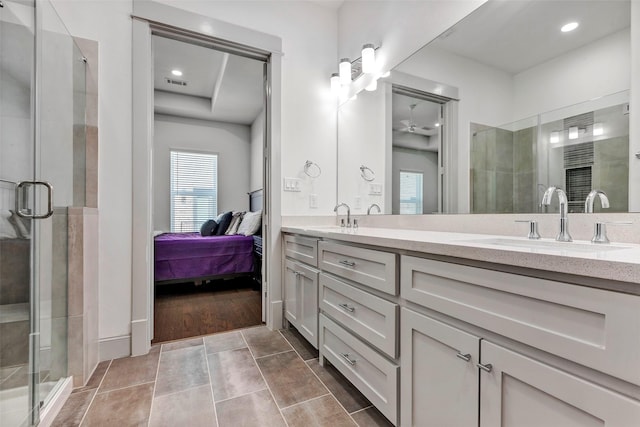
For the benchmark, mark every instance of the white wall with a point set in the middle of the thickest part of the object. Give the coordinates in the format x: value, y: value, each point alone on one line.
x: 257, y: 143
x: 230, y: 141
x: 308, y: 116
x: 400, y: 28
x: 309, y: 42
x: 363, y: 129
x: 109, y: 23
x: 597, y: 69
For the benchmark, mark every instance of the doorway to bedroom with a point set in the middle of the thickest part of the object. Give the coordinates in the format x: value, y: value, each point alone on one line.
x: 207, y: 181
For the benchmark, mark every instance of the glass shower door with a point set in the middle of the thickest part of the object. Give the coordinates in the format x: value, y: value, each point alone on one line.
x: 17, y: 94
x: 42, y: 165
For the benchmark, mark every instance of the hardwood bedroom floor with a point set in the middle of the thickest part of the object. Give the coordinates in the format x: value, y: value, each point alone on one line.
x: 252, y: 377
x: 185, y: 310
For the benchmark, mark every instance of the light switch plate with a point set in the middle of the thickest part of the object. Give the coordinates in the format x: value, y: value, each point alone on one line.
x: 313, y: 201
x: 292, y: 184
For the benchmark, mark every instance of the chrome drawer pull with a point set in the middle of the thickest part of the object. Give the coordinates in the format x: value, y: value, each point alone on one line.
x: 348, y: 263
x: 347, y: 308
x: 465, y: 357
x: 346, y: 357
x: 487, y: 368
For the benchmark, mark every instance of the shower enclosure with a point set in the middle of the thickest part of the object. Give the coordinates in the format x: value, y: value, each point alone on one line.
x: 42, y: 114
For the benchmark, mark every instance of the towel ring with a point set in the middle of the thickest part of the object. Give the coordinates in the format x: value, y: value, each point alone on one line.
x: 310, y: 165
x: 367, y: 176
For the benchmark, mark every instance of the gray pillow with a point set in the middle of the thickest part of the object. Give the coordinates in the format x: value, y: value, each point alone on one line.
x: 209, y: 228
x: 223, y: 221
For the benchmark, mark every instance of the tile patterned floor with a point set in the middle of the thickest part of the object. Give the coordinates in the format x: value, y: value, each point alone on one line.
x: 249, y: 377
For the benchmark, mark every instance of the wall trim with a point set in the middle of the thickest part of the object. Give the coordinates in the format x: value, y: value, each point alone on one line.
x: 114, y: 347
x: 49, y: 412
x: 146, y: 14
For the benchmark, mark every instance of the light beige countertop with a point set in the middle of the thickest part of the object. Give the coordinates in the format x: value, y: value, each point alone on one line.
x: 616, y: 261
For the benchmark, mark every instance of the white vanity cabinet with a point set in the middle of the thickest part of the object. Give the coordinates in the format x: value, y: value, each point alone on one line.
x: 301, y: 285
x: 359, y: 320
x: 520, y: 391
x: 434, y: 339
x: 582, y: 325
x: 439, y: 384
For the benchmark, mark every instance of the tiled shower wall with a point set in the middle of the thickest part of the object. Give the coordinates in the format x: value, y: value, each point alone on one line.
x: 83, y: 228
x: 503, y: 170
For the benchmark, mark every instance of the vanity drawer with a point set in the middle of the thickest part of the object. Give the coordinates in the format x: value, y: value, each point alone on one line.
x: 303, y: 249
x: 592, y: 327
x: 369, y: 316
x: 369, y: 267
x: 372, y: 374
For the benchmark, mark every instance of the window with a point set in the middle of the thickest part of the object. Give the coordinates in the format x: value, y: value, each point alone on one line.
x: 410, y: 192
x: 194, y: 190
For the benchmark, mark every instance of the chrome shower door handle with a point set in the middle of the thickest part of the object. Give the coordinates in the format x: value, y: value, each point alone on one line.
x: 20, y: 210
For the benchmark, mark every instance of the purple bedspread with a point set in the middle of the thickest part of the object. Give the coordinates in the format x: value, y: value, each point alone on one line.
x: 190, y: 256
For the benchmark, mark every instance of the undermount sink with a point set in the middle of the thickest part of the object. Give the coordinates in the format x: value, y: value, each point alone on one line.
x: 548, y: 245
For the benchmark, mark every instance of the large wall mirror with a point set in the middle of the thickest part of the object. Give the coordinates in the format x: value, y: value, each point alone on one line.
x: 499, y: 107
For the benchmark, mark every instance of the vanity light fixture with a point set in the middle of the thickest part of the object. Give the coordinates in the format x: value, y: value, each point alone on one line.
x: 554, y: 138
x: 345, y: 71
x: 176, y: 73
x: 368, y: 58
x: 373, y: 86
x: 597, y: 129
x: 573, y: 132
x: 569, y: 27
x: 335, y: 84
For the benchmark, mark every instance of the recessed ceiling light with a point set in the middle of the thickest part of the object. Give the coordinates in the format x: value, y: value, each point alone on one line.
x: 569, y: 27
x: 176, y: 73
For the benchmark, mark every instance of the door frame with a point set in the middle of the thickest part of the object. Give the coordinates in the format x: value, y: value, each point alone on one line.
x: 148, y: 15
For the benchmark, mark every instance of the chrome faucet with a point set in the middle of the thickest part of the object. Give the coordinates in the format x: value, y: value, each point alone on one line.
x: 373, y: 205
x: 563, y: 235
x: 348, y: 212
x: 588, y: 204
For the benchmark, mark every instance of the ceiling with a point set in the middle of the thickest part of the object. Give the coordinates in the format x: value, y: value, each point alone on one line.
x: 514, y: 35
x: 219, y: 86
x: 425, y: 115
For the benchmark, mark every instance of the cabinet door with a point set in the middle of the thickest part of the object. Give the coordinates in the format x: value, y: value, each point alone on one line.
x: 301, y: 299
x: 308, y: 303
x: 519, y: 391
x: 439, y: 377
x: 291, y: 308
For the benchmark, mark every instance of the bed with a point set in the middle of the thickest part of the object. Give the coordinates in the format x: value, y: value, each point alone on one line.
x: 190, y: 257
x: 182, y: 257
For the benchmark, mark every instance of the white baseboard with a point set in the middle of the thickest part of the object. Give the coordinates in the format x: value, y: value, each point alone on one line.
x: 49, y: 412
x: 277, y: 318
x: 115, y: 347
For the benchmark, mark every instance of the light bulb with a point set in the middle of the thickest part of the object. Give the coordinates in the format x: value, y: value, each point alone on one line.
x: 569, y: 27
x: 573, y: 132
x: 335, y: 83
x: 345, y: 71
x: 554, y: 138
x: 368, y: 58
x: 176, y: 73
x: 597, y: 129
x: 372, y: 86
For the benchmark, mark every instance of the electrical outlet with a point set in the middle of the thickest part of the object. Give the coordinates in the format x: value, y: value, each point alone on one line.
x: 313, y: 201
x: 358, y: 203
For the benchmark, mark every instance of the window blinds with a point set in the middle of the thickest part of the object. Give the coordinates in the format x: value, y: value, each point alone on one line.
x: 194, y: 190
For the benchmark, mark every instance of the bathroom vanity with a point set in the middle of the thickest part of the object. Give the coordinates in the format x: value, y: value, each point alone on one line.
x: 446, y: 329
